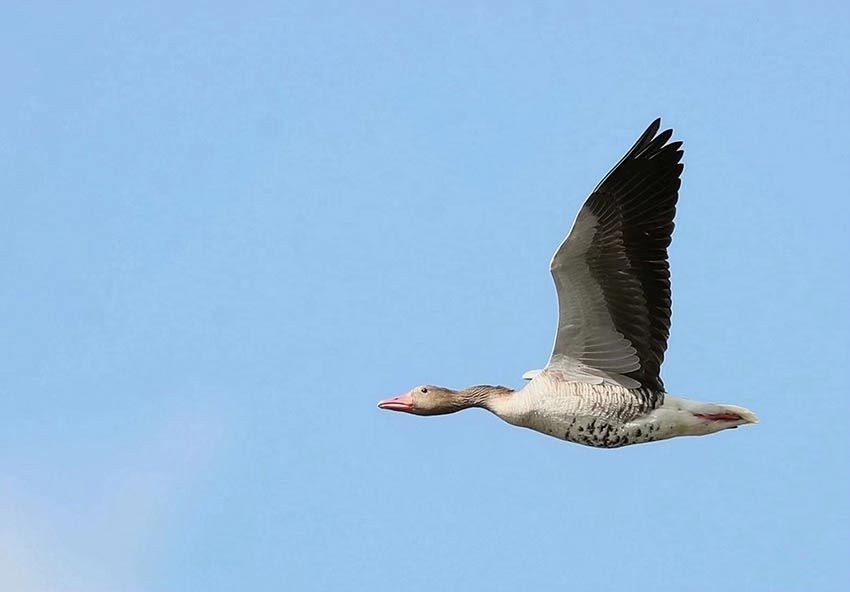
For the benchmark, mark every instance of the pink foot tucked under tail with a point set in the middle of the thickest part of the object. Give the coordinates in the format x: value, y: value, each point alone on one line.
x: 719, y: 416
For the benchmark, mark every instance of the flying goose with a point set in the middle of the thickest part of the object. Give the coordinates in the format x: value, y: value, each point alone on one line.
x: 602, y: 386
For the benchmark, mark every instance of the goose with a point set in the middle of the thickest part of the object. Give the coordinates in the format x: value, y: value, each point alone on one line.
x: 602, y: 385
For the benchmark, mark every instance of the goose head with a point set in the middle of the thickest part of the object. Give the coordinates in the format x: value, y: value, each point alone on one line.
x: 426, y: 399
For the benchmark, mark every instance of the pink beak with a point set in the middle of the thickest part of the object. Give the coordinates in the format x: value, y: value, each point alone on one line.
x: 400, y: 403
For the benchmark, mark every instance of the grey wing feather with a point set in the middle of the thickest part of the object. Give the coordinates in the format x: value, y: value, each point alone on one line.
x: 612, y: 273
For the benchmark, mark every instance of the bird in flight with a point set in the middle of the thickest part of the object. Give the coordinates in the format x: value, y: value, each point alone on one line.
x: 602, y: 386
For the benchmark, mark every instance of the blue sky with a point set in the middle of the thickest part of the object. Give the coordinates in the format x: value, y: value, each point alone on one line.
x: 230, y: 229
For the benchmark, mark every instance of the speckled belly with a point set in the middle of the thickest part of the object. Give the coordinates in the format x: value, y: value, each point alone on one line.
x: 594, y: 415
x: 605, y: 434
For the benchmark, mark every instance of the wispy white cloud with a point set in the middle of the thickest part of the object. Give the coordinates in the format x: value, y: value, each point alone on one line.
x: 108, y: 544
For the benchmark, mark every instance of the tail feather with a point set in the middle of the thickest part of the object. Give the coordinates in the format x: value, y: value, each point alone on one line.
x: 747, y: 415
x: 740, y: 415
x: 695, y: 418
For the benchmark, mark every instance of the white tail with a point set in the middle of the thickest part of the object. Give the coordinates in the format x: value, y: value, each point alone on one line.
x: 695, y: 418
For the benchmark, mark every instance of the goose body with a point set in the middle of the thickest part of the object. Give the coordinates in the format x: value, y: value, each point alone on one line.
x: 602, y: 386
x: 611, y: 416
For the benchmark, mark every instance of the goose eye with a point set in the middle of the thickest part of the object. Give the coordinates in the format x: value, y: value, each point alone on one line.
x: 423, y: 390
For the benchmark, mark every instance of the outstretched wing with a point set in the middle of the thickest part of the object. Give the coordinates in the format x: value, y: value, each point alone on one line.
x: 612, y: 274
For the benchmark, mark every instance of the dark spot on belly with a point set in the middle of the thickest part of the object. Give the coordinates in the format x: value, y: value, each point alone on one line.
x: 580, y: 428
x: 638, y: 433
